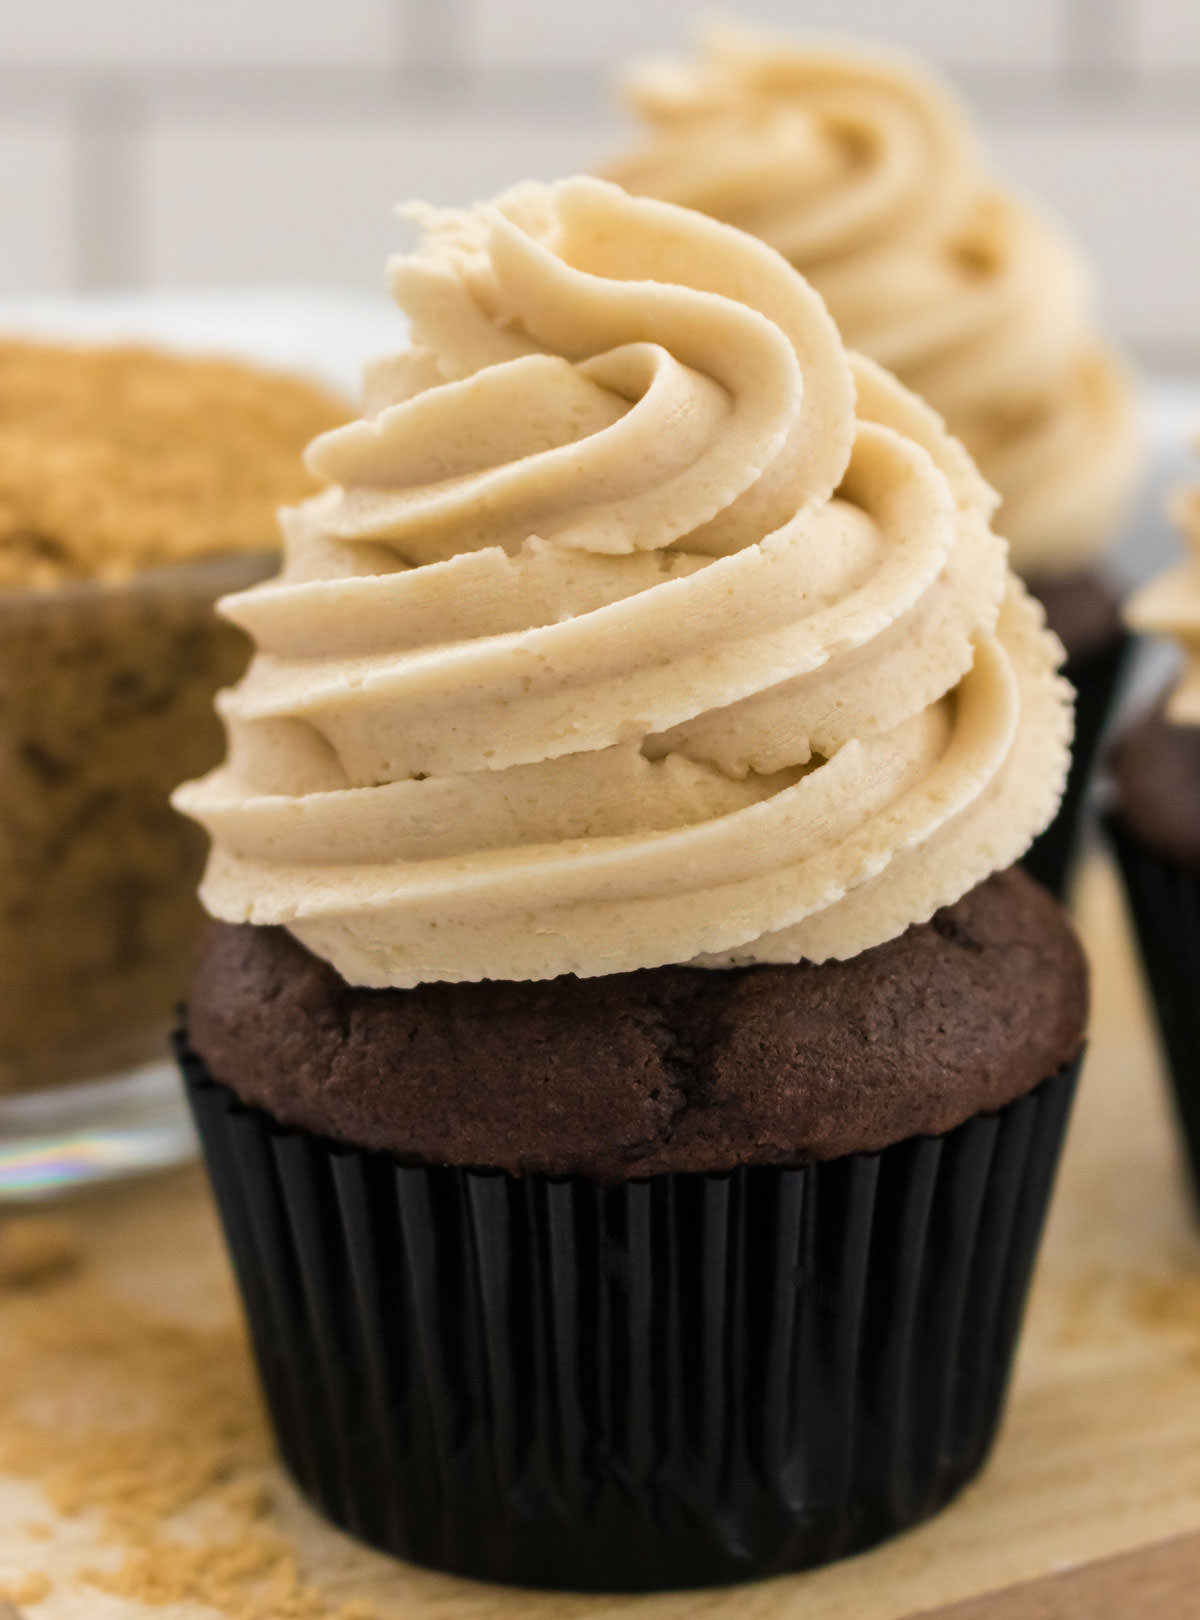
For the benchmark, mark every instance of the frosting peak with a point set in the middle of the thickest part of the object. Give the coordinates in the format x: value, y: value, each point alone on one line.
x: 640, y: 624
x: 1170, y: 606
x: 862, y: 169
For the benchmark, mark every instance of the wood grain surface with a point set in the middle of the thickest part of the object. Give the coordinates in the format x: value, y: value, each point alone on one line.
x: 1099, y: 1458
x: 1154, y: 1583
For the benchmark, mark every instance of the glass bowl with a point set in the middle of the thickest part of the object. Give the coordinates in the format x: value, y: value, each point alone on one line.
x: 106, y: 705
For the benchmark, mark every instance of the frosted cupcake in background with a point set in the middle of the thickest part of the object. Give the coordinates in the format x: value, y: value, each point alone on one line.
x: 135, y: 488
x: 630, y: 1068
x: 1155, y: 824
x: 863, y: 170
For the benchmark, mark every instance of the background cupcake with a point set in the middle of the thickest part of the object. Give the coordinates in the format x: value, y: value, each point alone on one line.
x: 863, y: 170
x: 135, y: 488
x: 630, y: 1076
x: 1155, y: 822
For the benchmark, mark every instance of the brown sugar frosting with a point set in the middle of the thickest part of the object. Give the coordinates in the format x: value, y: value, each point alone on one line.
x: 1170, y: 606
x: 640, y: 623
x: 862, y: 169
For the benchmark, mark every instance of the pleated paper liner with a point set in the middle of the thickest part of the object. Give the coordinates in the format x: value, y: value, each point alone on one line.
x: 1164, y: 899
x: 1096, y: 678
x: 675, y: 1382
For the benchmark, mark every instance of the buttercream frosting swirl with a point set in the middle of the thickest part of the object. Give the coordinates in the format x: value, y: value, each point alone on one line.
x: 640, y: 623
x: 1170, y: 606
x: 864, y: 171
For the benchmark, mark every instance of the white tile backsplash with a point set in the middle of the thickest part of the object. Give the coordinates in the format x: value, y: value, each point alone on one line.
x: 312, y: 201
x: 259, y: 141
x: 37, y: 202
x: 1015, y: 34
x: 1129, y: 191
x: 94, y: 35
x: 1165, y: 34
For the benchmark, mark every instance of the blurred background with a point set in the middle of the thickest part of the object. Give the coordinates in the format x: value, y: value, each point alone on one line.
x: 217, y: 143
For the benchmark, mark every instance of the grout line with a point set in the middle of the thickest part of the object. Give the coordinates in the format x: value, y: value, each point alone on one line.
x: 1098, y: 45
x: 1167, y: 359
x: 432, y: 72
x: 107, y: 128
x: 434, y: 39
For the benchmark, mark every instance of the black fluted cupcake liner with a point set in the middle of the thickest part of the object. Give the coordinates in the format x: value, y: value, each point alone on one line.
x: 675, y: 1382
x: 1164, y: 900
x: 1096, y: 678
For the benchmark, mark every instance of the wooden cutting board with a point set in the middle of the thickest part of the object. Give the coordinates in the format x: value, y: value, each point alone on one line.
x: 1089, y: 1508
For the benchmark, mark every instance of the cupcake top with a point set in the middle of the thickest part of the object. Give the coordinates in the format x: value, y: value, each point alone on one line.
x: 641, y: 624
x: 864, y: 171
x: 115, y: 460
x: 1170, y: 606
x: 1155, y: 763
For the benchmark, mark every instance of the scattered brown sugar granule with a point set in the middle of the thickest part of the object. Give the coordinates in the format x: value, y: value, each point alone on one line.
x: 115, y: 460
x: 37, y: 1249
x: 1171, y: 1304
x: 29, y: 1589
x: 154, y: 1429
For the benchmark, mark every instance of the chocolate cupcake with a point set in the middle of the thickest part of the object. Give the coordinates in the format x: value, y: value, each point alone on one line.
x: 863, y: 170
x: 630, y: 1074
x: 1154, y: 824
